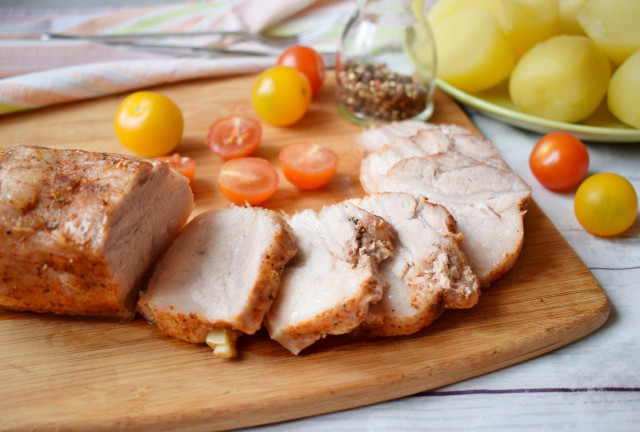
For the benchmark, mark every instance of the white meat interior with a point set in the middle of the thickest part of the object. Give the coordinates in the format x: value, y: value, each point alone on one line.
x: 329, y: 286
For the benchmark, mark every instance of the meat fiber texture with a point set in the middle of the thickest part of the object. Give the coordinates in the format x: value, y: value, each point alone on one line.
x: 79, y: 230
x: 450, y: 166
x: 330, y: 285
x: 223, y: 270
x: 374, y: 138
x: 487, y: 203
x: 428, y: 271
x: 428, y: 142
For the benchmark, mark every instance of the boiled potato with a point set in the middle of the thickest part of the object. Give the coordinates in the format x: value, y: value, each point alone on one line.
x: 473, y: 52
x: 524, y: 22
x: 624, y: 91
x: 563, y: 78
x: 444, y: 9
x: 527, y: 22
x: 614, y: 25
x: 568, y: 16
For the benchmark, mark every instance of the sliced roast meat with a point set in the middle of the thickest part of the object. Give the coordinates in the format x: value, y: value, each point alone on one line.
x: 488, y: 204
x: 425, y: 143
x: 219, y: 277
x: 79, y: 230
x: 374, y: 138
x: 428, y: 271
x: 330, y: 285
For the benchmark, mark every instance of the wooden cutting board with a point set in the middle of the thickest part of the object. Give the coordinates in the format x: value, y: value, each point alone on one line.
x: 78, y: 374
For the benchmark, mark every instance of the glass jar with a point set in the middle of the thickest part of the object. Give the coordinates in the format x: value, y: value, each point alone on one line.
x: 386, y: 63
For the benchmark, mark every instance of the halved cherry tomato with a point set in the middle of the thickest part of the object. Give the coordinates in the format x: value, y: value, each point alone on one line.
x: 308, y: 165
x: 559, y: 161
x: 606, y: 204
x: 149, y: 124
x: 281, y: 95
x: 183, y: 164
x: 233, y: 137
x: 250, y: 179
x: 306, y: 60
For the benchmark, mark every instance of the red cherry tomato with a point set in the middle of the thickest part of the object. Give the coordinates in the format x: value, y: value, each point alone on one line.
x: 250, y: 179
x: 559, y: 161
x: 234, y: 137
x: 308, y: 165
x: 183, y: 164
x: 306, y: 60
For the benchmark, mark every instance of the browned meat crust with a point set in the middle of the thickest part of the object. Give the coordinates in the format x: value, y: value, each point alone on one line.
x: 194, y: 326
x: 79, y: 230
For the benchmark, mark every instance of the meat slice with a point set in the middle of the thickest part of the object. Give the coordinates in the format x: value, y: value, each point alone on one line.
x: 428, y: 142
x: 428, y: 271
x: 220, y: 275
x: 488, y: 204
x: 79, y: 230
x: 374, y: 138
x: 329, y: 286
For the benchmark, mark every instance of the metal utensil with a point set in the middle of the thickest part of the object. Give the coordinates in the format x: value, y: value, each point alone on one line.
x: 265, y: 39
x: 212, y: 52
x: 191, y: 51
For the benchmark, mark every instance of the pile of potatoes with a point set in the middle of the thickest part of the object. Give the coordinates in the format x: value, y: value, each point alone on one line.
x: 561, y: 57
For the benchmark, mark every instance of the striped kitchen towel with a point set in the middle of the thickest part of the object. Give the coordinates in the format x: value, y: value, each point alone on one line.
x: 36, y: 73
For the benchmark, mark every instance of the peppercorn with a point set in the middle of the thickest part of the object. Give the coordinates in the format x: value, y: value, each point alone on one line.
x: 375, y: 91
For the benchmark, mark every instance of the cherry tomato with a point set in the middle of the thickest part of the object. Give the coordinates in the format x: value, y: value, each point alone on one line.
x: 149, y: 124
x: 281, y: 95
x: 183, y: 164
x: 233, y: 137
x: 306, y: 60
x: 250, y: 179
x: 559, y: 161
x: 308, y: 165
x: 606, y: 204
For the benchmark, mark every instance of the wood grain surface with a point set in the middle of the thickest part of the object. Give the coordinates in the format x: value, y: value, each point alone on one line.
x: 77, y: 374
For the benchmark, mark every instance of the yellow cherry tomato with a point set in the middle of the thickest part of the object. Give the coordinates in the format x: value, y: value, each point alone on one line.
x: 606, y: 204
x: 149, y: 124
x: 281, y: 95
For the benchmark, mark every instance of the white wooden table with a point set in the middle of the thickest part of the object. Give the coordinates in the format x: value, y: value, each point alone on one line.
x: 590, y: 385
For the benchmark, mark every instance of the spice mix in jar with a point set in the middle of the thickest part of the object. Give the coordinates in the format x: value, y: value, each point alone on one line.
x: 385, y: 64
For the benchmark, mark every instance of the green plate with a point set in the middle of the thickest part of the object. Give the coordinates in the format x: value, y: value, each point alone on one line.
x: 600, y: 126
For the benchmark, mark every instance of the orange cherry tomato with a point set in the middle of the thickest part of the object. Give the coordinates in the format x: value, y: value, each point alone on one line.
x: 306, y: 60
x: 559, y: 161
x: 250, y: 179
x: 233, y: 137
x: 307, y: 165
x: 183, y: 164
